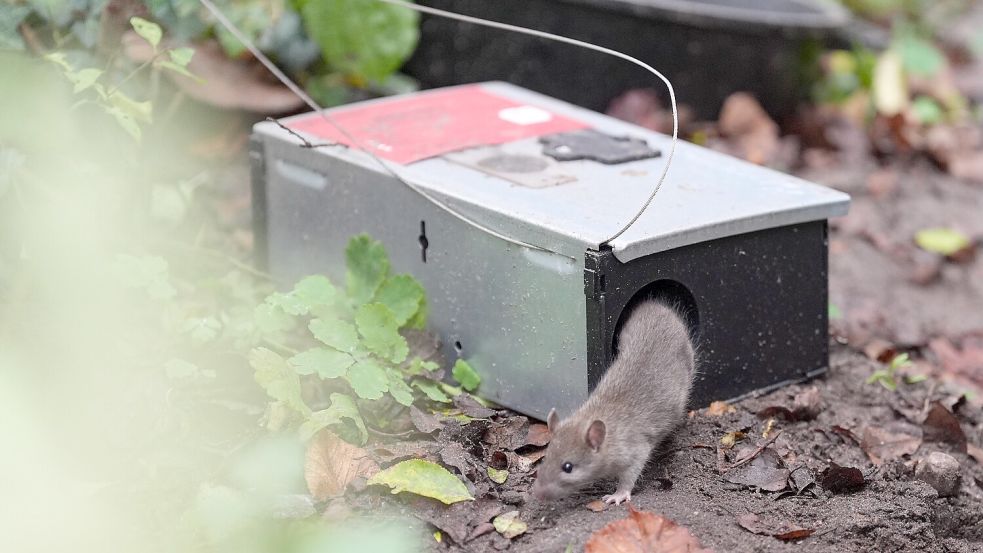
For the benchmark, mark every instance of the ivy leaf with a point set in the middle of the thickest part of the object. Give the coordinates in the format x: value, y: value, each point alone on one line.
x: 399, y: 389
x: 424, y: 478
x: 84, y: 78
x: 315, y: 291
x: 432, y: 390
x: 368, y: 379
x: 149, y: 30
x: 181, y: 56
x: 324, y: 362
x: 342, y: 407
x: 368, y: 267
x: 380, y: 332
x: 403, y: 295
x: 280, y: 381
x: 463, y: 373
x: 336, y: 333
x: 943, y: 241
x: 362, y: 39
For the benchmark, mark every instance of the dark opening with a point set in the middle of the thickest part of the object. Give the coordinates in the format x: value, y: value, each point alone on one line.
x: 458, y: 347
x: 424, y: 243
x: 671, y: 293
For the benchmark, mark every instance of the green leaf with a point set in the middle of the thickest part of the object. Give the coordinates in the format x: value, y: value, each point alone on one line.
x: 364, y: 39
x: 927, y: 110
x: 368, y: 267
x: 179, y: 69
x: 402, y: 294
x: 399, y: 389
x: 368, y: 379
x: 202, y: 330
x: 900, y: 360
x: 314, y: 291
x: 432, y: 390
x: 126, y: 122
x: 181, y: 56
x: 509, y: 525
x: 139, y: 111
x: 279, y: 380
x: 915, y: 378
x: 149, y: 30
x: 324, y: 362
x: 271, y: 320
x: 85, y: 78
x: 419, y: 366
x: 340, y: 335
x: 920, y: 56
x: 944, y: 241
x: 424, y: 478
x: 380, y: 332
x: 419, y: 321
x: 463, y: 373
x: 289, y: 303
x: 498, y: 476
x: 342, y: 407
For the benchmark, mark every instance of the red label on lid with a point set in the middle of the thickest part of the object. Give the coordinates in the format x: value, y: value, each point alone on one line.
x: 421, y: 126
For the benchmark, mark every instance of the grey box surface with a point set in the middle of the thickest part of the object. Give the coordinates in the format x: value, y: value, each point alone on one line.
x: 741, y: 247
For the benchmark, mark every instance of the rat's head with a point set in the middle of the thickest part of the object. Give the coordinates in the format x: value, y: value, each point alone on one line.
x: 572, y: 459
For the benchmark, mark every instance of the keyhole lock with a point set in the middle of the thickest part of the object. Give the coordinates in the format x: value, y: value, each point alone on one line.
x: 424, y: 243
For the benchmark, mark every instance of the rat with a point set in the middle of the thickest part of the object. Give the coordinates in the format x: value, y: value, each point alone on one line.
x: 640, y: 399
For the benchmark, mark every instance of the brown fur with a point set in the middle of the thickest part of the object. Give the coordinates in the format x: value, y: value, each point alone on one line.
x: 638, y: 402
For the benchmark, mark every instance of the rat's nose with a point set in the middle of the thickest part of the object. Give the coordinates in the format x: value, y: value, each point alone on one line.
x: 539, y: 491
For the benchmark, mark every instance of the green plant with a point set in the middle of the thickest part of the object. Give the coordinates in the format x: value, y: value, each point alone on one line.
x: 353, y: 343
x: 886, y: 377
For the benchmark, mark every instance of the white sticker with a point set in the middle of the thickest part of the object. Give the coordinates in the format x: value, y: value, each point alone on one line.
x: 525, y: 115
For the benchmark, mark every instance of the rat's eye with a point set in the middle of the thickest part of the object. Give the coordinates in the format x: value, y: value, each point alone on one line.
x: 567, y: 467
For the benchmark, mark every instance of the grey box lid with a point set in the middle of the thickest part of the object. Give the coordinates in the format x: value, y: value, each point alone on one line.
x: 706, y: 194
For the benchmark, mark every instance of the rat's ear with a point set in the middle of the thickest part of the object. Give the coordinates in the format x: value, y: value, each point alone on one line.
x: 552, y: 420
x: 595, y: 435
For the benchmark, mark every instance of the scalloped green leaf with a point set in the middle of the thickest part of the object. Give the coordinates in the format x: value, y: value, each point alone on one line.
x: 380, y: 332
x: 399, y: 389
x: 342, y: 407
x: 432, y: 390
x: 367, y: 267
x: 467, y: 376
x: 315, y: 290
x: 325, y: 362
x: 341, y: 335
x: 279, y: 380
x: 425, y: 478
x: 403, y: 295
x: 368, y: 379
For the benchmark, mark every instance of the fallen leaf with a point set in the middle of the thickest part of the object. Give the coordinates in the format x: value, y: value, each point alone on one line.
x: 837, y: 429
x: 766, y: 471
x: 538, y: 435
x: 745, y: 122
x: 454, y: 520
x: 806, y: 405
x: 841, y: 479
x: 718, y: 408
x: 941, y: 426
x: 801, y: 478
x: 332, y: 463
x: 643, y: 532
x: 387, y: 454
x: 497, y: 476
x: 945, y: 241
x: 975, y: 452
x: 423, y: 478
x: 779, y: 529
x: 892, y: 442
x: 424, y: 422
x: 470, y: 407
x: 534, y: 456
x: 508, y: 434
x: 480, y: 530
x: 966, y: 360
x: 732, y: 438
x: 453, y: 454
x: 509, y: 525
x: 597, y: 505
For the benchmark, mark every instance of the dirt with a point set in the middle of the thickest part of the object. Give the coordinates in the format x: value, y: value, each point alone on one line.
x: 891, y: 512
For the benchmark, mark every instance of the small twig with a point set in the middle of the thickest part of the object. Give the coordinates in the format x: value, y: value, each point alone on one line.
x: 755, y: 453
x: 306, y: 143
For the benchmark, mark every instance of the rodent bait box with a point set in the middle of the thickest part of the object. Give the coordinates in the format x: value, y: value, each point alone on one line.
x: 741, y: 249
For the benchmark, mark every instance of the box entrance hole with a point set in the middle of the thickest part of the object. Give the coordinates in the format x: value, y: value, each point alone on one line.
x: 671, y: 293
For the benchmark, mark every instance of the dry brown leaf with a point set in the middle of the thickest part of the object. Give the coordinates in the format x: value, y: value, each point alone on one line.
x: 643, y: 532
x: 221, y: 82
x: 718, y: 408
x: 942, y: 426
x: 889, y: 443
x: 597, y: 505
x: 744, y: 121
x: 538, y: 435
x: 332, y: 463
x: 779, y: 529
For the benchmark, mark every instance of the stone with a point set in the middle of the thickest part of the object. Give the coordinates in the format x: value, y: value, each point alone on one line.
x: 941, y: 471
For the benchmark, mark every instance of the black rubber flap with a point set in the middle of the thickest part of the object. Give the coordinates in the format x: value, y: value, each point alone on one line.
x: 596, y: 146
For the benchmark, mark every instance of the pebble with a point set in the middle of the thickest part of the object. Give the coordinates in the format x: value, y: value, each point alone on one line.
x: 941, y: 471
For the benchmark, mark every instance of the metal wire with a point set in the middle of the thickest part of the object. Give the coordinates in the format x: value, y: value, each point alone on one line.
x: 283, y: 78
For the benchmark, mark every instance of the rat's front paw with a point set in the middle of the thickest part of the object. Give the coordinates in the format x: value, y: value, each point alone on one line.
x: 617, y: 497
